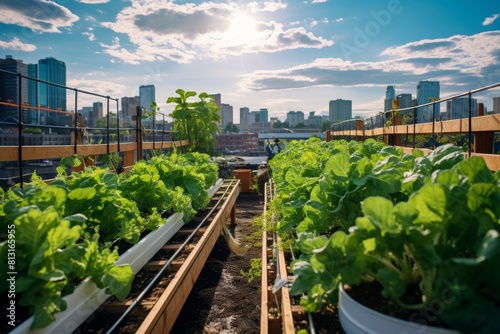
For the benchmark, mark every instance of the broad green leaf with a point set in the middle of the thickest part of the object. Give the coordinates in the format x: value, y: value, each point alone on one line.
x: 305, y: 279
x: 447, y: 177
x: 309, y: 244
x: 479, y: 196
x: 82, y: 194
x: 118, y: 280
x: 338, y: 165
x: 445, y: 156
x: 430, y: 202
x: 475, y: 170
x: 380, y: 211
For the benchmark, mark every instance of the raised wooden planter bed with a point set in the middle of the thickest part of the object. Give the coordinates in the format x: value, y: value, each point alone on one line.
x: 276, y: 306
x: 87, y: 297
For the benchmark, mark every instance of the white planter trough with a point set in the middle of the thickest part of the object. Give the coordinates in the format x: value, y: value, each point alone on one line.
x: 87, y: 298
x: 356, y: 318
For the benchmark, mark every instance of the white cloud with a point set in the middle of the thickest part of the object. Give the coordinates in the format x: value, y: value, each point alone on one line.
x: 266, y: 6
x: 90, y: 35
x: 489, y: 20
x: 340, y: 19
x: 318, y: 1
x: 38, y: 15
x: 16, y: 45
x: 160, y: 30
x: 93, y: 2
x: 466, y: 61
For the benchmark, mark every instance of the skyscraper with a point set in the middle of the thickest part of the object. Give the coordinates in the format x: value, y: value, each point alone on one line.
x: 48, y: 96
x: 227, y: 114
x: 390, y: 94
x: 295, y: 117
x: 96, y: 113
x: 218, y: 101
x: 264, y: 115
x: 426, y: 92
x: 9, y: 87
x: 244, y: 115
x: 496, y: 105
x: 459, y: 108
x: 54, y: 71
x: 147, y: 95
x: 339, y: 110
x: 129, y: 106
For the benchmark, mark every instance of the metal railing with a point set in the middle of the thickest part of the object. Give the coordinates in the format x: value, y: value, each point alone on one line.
x: 392, y: 120
x: 67, y: 126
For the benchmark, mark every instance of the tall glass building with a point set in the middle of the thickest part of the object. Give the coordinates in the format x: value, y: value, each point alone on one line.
x: 426, y: 92
x: 48, y: 96
x: 264, y: 115
x: 390, y: 94
x: 9, y: 87
x: 147, y: 96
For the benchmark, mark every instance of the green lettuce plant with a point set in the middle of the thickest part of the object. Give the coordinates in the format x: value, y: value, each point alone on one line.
x: 442, y: 241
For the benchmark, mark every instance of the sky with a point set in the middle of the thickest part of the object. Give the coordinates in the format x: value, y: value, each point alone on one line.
x: 280, y: 55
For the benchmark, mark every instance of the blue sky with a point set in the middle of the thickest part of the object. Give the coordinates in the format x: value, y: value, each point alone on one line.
x: 280, y: 55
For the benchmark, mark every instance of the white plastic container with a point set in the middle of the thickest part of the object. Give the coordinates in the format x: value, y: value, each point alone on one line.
x: 356, y: 318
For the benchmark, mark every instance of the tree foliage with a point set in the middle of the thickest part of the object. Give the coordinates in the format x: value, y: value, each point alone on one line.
x: 231, y: 128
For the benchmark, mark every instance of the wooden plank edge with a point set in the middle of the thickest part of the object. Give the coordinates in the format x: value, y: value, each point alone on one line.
x: 164, y: 314
x: 286, y: 304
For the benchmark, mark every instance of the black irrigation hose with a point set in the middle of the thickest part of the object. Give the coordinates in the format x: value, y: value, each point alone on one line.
x: 164, y: 268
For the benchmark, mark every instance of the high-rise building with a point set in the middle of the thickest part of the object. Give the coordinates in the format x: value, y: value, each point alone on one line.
x: 390, y: 94
x: 427, y: 91
x: 129, y: 106
x: 254, y: 117
x: 314, y: 120
x: 244, y: 115
x: 227, y: 114
x: 49, y: 96
x: 96, y: 113
x: 496, y: 105
x: 264, y: 115
x: 340, y: 110
x: 295, y: 117
x: 218, y: 102
x: 53, y: 71
x: 459, y: 108
x: 147, y: 96
x: 9, y: 88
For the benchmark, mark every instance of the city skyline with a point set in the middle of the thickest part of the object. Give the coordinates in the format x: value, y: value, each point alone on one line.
x: 278, y: 55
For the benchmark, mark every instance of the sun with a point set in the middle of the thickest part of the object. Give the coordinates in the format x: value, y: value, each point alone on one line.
x: 242, y: 29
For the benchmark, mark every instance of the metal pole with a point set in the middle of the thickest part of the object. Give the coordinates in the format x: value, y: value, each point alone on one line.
x: 414, y: 126
x: 154, y: 134
x: 118, y: 126
x: 20, y: 128
x: 470, y: 125
x: 107, y: 123
x: 76, y: 122
x: 433, y: 125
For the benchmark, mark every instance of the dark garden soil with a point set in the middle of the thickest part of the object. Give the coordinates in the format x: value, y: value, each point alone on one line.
x: 222, y: 300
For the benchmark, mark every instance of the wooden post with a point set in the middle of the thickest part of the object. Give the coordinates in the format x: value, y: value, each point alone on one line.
x: 483, y: 142
x: 128, y: 159
x: 328, y: 136
x: 359, y: 127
